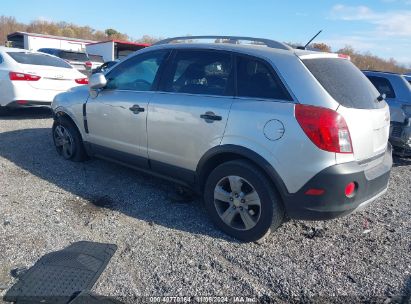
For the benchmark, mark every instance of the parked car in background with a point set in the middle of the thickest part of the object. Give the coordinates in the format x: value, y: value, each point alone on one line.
x: 105, y: 66
x: 30, y: 79
x: 78, y: 60
x: 397, y: 92
x: 408, y: 77
x: 261, y: 132
x: 96, y: 61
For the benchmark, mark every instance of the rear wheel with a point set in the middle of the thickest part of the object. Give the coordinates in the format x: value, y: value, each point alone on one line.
x: 242, y: 202
x: 67, y: 140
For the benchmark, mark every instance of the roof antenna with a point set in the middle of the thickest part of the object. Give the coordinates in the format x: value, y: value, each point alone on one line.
x: 311, y: 40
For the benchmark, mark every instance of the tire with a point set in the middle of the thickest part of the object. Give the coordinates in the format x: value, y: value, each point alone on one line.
x: 247, y: 180
x: 3, y: 111
x: 67, y: 140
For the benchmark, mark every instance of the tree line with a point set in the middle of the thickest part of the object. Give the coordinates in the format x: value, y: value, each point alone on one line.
x: 364, y: 61
x: 10, y: 24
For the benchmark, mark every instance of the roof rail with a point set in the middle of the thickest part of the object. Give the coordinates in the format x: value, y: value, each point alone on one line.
x: 379, y: 71
x: 230, y: 39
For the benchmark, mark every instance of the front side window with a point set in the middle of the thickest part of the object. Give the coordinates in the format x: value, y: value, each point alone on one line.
x: 256, y: 80
x: 383, y: 86
x: 200, y: 72
x: 38, y: 59
x: 137, y: 73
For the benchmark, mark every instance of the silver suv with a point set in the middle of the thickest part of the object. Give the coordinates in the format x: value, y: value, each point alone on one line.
x: 262, y: 130
x: 397, y: 92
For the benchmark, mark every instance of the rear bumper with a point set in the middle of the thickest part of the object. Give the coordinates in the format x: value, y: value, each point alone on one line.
x: 24, y: 95
x: 333, y: 203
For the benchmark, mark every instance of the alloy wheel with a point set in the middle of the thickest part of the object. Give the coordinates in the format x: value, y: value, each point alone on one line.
x: 237, y: 202
x: 64, y: 141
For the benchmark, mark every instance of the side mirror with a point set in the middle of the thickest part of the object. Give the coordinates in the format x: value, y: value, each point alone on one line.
x: 97, y: 81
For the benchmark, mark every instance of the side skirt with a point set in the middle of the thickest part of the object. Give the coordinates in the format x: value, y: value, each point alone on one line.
x: 181, y: 176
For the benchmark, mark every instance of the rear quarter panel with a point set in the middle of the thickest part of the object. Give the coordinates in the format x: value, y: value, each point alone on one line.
x: 295, y: 158
x: 300, y: 82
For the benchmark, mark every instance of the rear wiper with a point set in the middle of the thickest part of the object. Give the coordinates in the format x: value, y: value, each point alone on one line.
x: 381, y: 97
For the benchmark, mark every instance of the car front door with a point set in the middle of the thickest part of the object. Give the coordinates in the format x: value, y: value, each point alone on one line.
x: 116, y: 115
x: 188, y: 115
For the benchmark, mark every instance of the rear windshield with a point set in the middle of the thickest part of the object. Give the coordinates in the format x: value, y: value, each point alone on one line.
x: 96, y: 58
x: 73, y: 56
x: 344, y: 82
x: 38, y: 59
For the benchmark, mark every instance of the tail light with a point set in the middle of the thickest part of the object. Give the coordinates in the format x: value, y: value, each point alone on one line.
x: 88, y: 64
x: 16, y: 76
x: 325, y: 128
x: 82, y: 80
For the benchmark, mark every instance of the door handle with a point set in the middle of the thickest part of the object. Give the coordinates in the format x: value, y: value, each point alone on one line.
x: 210, y: 117
x: 136, y: 109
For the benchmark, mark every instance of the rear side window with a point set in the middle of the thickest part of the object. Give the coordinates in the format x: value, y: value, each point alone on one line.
x: 73, y: 56
x: 255, y: 79
x: 38, y: 59
x: 200, y: 72
x: 344, y: 82
x: 1, y: 59
x: 383, y: 85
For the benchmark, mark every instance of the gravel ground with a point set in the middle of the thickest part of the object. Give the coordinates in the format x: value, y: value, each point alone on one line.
x: 171, y: 248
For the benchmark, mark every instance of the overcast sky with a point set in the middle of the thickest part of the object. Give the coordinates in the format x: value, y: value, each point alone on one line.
x: 382, y: 27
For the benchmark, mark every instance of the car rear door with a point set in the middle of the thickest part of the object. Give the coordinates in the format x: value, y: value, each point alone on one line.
x: 116, y: 115
x: 189, y: 114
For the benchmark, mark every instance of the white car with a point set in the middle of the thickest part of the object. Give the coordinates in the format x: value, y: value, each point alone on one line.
x: 32, y: 79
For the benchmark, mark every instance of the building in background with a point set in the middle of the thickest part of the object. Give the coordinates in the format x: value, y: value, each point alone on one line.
x: 109, y: 50
x: 114, y: 49
x: 33, y: 42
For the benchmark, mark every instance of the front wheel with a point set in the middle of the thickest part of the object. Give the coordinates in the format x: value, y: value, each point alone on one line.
x: 67, y: 140
x: 242, y: 202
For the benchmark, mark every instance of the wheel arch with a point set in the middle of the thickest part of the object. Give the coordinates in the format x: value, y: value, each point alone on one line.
x: 60, y: 113
x: 220, y: 154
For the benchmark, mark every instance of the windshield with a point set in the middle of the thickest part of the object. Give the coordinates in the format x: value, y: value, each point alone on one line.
x: 344, y: 82
x: 38, y: 59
